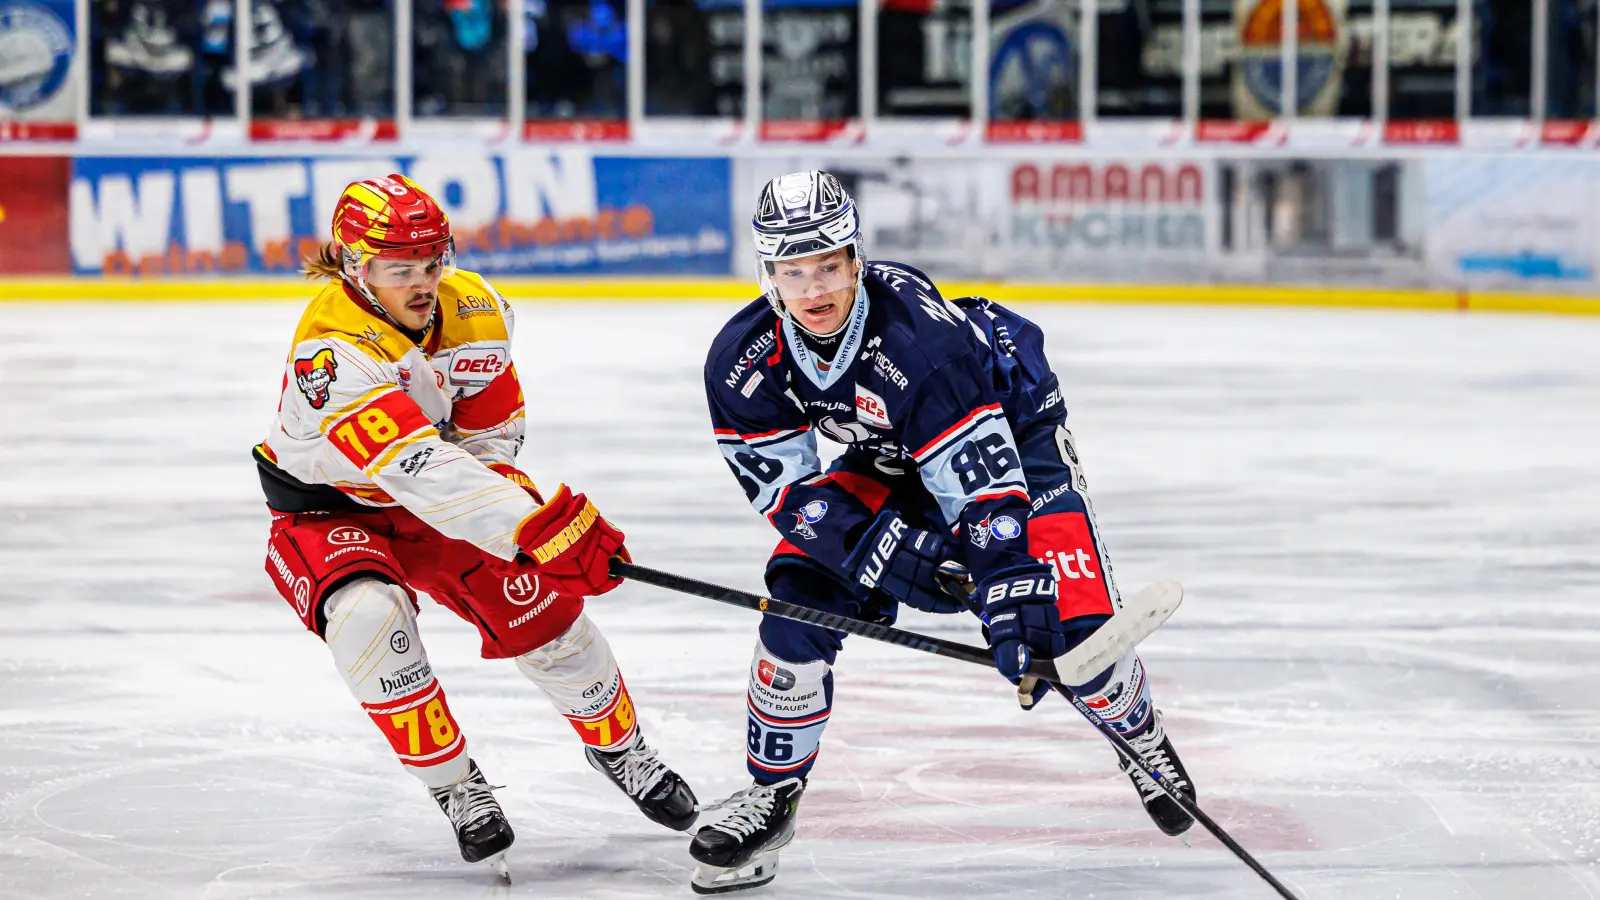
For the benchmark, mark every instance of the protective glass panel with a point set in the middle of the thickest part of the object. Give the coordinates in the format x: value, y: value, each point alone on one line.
x: 1422, y: 59
x: 1033, y: 60
x: 325, y: 59
x: 811, y: 63
x: 925, y: 58
x: 459, y: 58
x: 160, y: 57
x: 1502, y: 64
x: 1334, y: 58
x: 1570, y: 60
x: 576, y: 59
x: 1220, y: 60
x: 694, y: 58
x: 1139, y: 67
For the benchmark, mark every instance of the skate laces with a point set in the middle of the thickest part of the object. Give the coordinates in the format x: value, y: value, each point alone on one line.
x: 637, y: 770
x: 1152, y: 746
x: 468, y: 800
x: 751, y: 808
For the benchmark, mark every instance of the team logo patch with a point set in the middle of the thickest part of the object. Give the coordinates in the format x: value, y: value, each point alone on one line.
x: 314, y: 376
x: 1001, y: 528
x: 348, y: 535
x: 1004, y: 528
x: 809, y: 515
x: 774, y: 676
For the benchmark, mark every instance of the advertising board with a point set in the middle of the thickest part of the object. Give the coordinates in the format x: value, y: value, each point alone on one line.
x: 535, y: 212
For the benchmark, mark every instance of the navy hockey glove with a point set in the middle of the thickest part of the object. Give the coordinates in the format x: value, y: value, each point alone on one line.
x: 1019, y: 608
x: 903, y: 562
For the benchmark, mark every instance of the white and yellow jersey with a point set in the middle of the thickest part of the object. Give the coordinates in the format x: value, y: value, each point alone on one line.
x: 388, y: 421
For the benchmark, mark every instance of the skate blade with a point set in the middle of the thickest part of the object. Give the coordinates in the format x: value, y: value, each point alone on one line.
x: 497, y: 864
x: 753, y: 874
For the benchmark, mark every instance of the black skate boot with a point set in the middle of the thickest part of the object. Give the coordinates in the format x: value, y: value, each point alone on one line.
x: 660, y: 794
x: 741, y: 851
x: 1157, y: 751
x: 481, y: 828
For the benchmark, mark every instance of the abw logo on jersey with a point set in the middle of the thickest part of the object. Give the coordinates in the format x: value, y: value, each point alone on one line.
x: 314, y: 376
x: 477, y: 366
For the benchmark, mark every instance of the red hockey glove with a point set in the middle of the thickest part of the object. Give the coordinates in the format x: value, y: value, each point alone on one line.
x: 517, y: 477
x: 570, y: 541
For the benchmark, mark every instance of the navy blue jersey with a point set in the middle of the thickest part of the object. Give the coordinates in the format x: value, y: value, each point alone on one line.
x: 919, y: 382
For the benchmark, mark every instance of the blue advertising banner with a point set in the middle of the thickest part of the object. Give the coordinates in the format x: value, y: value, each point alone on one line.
x: 530, y: 212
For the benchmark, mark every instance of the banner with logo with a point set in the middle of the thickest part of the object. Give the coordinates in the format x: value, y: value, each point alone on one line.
x: 38, y: 39
x: 1107, y: 220
x: 1514, y: 223
x: 531, y: 212
x: 1319, y: 63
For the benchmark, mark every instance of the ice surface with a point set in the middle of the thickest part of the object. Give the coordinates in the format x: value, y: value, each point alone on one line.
x: 1384, y: 678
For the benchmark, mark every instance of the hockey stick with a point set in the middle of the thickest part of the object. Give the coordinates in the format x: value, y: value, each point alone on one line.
x: 1150, y: 608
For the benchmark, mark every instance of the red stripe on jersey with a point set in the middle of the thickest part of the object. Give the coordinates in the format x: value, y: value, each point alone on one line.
x: 495, y: 404
x: 871, y: 492
x: 965, y: 420
x: 363, y: 436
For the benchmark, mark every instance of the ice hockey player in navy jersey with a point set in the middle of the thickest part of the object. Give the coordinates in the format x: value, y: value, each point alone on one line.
x: 957, y: 458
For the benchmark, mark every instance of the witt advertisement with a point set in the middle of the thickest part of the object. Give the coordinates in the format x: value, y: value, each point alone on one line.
x: 533, y: 212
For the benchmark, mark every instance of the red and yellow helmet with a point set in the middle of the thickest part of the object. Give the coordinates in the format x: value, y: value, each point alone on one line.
x: 391, y: 218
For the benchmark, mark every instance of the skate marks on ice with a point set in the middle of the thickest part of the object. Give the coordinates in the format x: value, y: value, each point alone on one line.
x: 1382, y: 680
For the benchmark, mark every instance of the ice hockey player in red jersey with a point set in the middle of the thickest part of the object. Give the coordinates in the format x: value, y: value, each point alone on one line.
x: 391, y: 470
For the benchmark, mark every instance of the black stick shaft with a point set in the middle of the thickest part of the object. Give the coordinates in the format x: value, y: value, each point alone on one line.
x: 953, y: 650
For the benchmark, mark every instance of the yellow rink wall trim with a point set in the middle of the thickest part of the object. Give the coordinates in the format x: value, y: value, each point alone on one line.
x: 118, y: 290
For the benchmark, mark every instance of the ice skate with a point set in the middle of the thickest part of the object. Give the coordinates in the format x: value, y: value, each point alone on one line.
x: 659, y: 792
x: 741, y: 851
x: 1157, y: 751
x: 481, y: 828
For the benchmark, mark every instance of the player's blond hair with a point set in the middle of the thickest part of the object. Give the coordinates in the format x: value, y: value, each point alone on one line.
x: 325, y: 264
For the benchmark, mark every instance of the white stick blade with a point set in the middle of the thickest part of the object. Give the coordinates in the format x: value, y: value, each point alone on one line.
x: 1138, y: 618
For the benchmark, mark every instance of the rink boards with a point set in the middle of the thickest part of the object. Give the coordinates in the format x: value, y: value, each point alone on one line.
x: 678, y: 289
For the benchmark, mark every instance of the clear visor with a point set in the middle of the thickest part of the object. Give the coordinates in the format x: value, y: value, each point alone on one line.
x: 424, y: 270
x: 808, y: 277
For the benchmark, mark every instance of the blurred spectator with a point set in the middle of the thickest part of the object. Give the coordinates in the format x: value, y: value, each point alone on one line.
x: 694, y: 58
x: 146, y: 60
x: 311, y: 58
x: 459, y: 65
x: 577, y: 59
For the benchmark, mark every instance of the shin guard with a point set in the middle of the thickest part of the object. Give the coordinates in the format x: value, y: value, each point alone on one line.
x: 788, y: 705
x: 1121, y: 696
x: 372, y: 632
x: 580, y: 676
